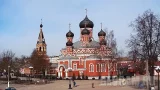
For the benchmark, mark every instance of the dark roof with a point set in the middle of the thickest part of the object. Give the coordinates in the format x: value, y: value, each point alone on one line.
x: 101, y: 33
x: 85, y: 32
x: 86, y: 23
x: 54, y: 65
x: 69, y: 43
x: 67, y: 57
x: 92, y: 44
x: 69, y: 34
x: 97, y: 56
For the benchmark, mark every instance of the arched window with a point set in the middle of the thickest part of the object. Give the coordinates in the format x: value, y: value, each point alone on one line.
x: 40, y: 49
x: 43, y: 48
x: 98, y: 68
x: 103, y: 67
x: 91, y: 68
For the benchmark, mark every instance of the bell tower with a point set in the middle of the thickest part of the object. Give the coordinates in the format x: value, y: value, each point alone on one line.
x: 41, y: 45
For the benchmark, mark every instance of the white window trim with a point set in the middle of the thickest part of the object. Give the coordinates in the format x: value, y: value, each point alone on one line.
x: 101, y: 68
x: 105, y: 67
x: 73, y: 66
x: 91, y: 69
x: 98, y: 67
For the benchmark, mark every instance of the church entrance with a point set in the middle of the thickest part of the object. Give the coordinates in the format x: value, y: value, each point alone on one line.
x: 61, y: 72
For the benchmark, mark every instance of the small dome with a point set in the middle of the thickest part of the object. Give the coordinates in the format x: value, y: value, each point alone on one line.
x: 69, y: 34
x: 103, y: 42
x: 89, y: 23
x: 101, y: 33
x: 41, y: 25
x: 85, y: 31
x: 69, y: 43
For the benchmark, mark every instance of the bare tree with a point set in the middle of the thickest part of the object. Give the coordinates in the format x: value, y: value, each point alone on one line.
x: 19, y: 62
x: 112, y: 45
x: 146, y: 40
x: 111, y: 41
x: 39, y: 62
x: 6, y: 60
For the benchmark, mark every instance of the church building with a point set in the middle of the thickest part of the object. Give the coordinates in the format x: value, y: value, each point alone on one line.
x: 86, y: 57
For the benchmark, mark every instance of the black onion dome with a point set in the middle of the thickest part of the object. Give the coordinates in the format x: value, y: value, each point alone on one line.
x: 41, y: 25
x: 69, y: 43
x: 89, y: 23
x: 101, y: 33
x: 69, y: 34
x: 103, y: 42
x: 85, y: 31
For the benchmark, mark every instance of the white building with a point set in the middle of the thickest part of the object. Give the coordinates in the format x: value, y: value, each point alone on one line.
x: 53, y: 59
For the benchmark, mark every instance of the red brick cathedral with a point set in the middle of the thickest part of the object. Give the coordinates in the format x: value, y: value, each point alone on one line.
x: 86, y: 57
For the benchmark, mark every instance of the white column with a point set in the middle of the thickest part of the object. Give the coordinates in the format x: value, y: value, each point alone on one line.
x: 59, y: 74
x: 66, y: 74
x: 108, y: 70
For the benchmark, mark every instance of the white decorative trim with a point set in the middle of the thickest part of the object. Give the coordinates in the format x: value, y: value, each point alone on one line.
x: 92, y: 59
x: 81, y: 68
x: 98, y: 67
x: 91, y: 69
x: 60, y: 66
x: 101, y: 68
x: 105, y: 67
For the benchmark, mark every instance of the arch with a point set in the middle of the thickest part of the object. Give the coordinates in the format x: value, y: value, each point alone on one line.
x: 40, y: 49
x: 91, y: 67
x: 61, y: 65
x: 43, y: 49
x: 61, y: 71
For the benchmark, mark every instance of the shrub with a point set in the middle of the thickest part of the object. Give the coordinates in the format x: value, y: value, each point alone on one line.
x: 83, y: 77
x: 86, y: 77
x: 79, y: 78
x: 93, y: 78
x: 99, y: 77
x: 60, y: 78
x: 67, y: 79
x: 106, y: 78
x: 111, y: 77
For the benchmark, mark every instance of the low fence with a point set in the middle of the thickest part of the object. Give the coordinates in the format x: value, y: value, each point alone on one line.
x: 136, y: 82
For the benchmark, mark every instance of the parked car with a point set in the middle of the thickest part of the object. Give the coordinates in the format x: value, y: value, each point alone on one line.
x: 10, y: 88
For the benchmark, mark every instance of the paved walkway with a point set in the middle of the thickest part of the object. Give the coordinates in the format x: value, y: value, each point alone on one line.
x: 63, y: 85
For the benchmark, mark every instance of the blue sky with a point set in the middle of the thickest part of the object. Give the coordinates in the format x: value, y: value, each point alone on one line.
x: 20, y: 20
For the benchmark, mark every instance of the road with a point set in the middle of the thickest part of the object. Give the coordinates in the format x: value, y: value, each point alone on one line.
x: 63, y: 85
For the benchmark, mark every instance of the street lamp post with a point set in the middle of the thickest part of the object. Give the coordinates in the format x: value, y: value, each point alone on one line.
x: 8, y: 75
x: 158, y: 70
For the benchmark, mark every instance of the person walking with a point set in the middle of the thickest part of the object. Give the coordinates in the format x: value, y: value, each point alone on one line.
x: 74, y: 83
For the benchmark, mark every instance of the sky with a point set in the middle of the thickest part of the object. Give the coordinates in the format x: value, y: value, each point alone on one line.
x: 20, y: 20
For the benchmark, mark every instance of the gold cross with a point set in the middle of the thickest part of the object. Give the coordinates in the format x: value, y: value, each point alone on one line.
x: 69, y: 26
x: 101, y: 25
x: 41, y: 21
x: 86, y: 11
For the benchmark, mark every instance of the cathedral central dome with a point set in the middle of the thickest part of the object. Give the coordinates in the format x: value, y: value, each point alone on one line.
x: 86, y: 23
